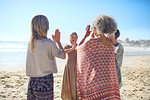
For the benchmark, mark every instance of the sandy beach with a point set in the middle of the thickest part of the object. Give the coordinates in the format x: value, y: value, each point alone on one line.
x: 135, y: 75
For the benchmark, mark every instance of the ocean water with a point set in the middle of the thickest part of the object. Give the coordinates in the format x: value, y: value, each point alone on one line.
x: 15, y: 52
x: 136, y: 51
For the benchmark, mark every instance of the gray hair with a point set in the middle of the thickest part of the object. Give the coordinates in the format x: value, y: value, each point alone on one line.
x: 104, y: 24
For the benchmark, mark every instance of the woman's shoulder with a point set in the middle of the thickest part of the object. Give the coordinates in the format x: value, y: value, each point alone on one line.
x: 104, y: 43
x: 91, y: 40
x: 47, y: 42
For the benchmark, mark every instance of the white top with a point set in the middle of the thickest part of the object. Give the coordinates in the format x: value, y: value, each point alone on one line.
x: 42, y: 62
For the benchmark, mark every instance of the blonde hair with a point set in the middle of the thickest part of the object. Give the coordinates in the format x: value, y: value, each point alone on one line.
x: 104, y: 24
x: 73, y: 33
x: 39, y: 28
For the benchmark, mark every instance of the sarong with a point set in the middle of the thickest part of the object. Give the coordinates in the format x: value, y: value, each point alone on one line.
x: 96, y: 72
x: 40, y: 88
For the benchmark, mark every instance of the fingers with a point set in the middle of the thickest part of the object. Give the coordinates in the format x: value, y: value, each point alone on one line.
x: 88, y: 27
x: 53, y: 36
x: 93, y: 35
x: 88, y: 31
x: 57, y: 32
x: 74, y: 45
x: 57, y: 35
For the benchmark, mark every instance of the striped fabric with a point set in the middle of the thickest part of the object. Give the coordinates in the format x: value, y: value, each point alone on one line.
x: 96, y: 72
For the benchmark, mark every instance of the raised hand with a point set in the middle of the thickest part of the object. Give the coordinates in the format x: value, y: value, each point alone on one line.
x: 88, y: 31
x: 74, y: 45
x: 92, y: 35
x: 93, y: 32
x: 56, y: 37
x: 53, y: 37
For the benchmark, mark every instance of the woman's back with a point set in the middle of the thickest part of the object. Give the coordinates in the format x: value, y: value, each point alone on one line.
x: 96, y: 71
x: 42, y: 61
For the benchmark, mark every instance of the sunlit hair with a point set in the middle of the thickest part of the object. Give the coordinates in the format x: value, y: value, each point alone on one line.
x: 104, y: 24
x: 73, y: 33
x: 39, y: 28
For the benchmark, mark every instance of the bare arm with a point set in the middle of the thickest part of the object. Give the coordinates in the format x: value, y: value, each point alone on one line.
x: 86, y: 34
x: 60, y: 46
x: 56, y: 38
x: 82, y: 41
x: 67, y: 49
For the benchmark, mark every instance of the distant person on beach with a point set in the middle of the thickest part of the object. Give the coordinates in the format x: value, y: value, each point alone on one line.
x: 119, y: 50
x: 40, y: 62
x: 69, y: 88
x: 96, y: 69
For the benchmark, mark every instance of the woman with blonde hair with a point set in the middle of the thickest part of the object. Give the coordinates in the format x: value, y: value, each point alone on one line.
x: 40, y: 62
x: 96, y: 70
x: 68, y: 91
x: 69, y: 88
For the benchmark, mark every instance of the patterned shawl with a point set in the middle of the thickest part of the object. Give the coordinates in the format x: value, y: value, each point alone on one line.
x: 96, y: 72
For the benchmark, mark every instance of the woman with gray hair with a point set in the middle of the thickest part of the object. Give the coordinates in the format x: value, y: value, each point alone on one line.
x: 96, y: 71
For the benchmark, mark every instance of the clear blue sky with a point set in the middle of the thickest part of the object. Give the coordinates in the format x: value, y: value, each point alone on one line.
x: 132, y: 17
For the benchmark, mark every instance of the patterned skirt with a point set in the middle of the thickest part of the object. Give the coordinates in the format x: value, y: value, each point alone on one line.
x: 40, y: 88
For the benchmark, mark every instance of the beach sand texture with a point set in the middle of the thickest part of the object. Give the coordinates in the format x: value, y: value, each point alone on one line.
x: 135, y: 75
